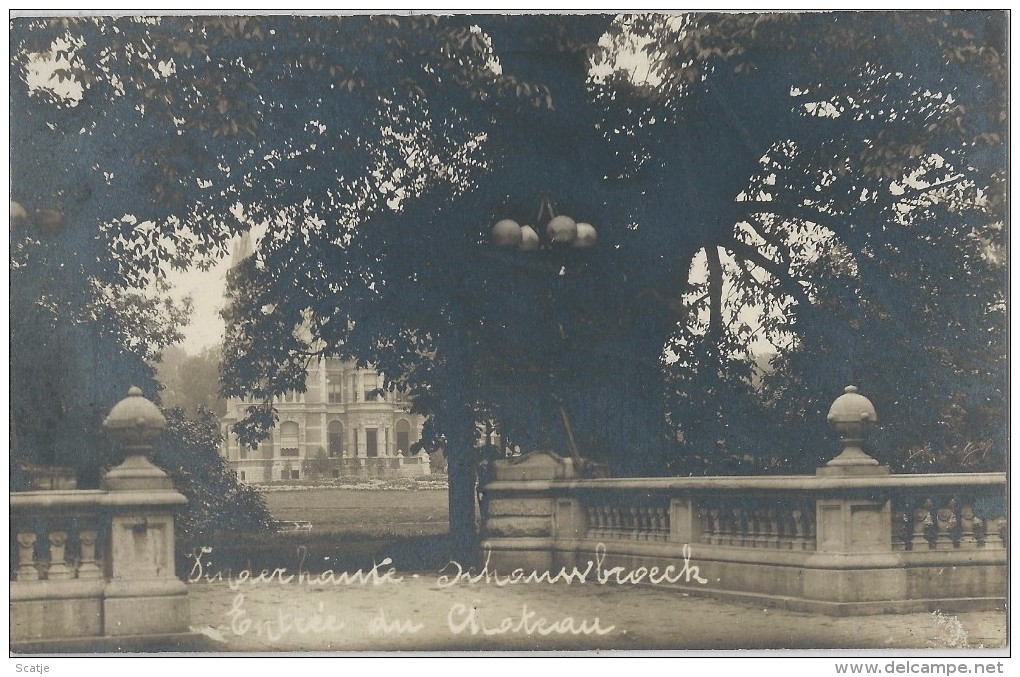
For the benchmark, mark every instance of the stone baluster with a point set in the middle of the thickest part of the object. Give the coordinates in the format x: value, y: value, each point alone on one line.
x: 662, y: 523
x: 726, y: 525
x: 707, y: 524
x: 739, y: 526
x: 632, y: 523
x: 922, y: 521
x: 993, y: 536
x: 772, y: 514
x: 789, y: 540
x: 88, y: 568
x: 799, y: 529
x: 713, y: 533
x: 615, y: 528
x: 594, y: 520
x: 605, y: 521
x: 58, y: 569
x: 945, y: 524
x: 968, y: 522
x: 755, y: 527
x: 27, y: 569
x: 751, y: 535
x: 764, y: 528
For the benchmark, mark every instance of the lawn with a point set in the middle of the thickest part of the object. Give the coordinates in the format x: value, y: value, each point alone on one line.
x: 367, y: 513
x: 351, y: 529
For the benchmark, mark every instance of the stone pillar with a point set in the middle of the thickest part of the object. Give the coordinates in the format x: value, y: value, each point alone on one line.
x: 143, y: 595
x: 684, y: 525
x: 854, y: 559
x: 323, y: 382
x: 360, y: 392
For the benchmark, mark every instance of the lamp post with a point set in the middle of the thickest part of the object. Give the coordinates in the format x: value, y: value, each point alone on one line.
x: 561, y: 231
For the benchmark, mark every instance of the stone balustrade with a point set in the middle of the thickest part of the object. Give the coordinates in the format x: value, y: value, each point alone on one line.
x: 56, y: 533
x: 94, y: 569
x: 838, y: 542
x: 86, y: 558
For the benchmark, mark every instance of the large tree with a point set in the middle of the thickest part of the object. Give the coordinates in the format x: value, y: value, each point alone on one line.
x: 191, y: 382
x: 727, y: 161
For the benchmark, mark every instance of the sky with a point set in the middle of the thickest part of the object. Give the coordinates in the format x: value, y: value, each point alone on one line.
x: 207, y: 290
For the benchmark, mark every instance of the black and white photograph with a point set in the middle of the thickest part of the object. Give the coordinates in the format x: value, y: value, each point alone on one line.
x: 552, y: 333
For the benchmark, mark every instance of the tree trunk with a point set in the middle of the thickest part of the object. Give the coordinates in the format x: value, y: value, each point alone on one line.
x: 462, y: 471
x: 457, y: 422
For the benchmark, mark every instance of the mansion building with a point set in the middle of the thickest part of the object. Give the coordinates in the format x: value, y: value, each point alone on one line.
x: 341, y: 426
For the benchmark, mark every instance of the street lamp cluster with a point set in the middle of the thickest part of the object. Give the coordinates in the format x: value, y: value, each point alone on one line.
x: 560, y: 230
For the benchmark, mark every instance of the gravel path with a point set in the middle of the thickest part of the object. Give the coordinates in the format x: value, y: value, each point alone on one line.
x: 419, y: 613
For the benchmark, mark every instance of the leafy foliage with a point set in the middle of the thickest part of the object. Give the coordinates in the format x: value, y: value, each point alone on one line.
x: 828, y: 185
x: 191, y: 381
x: 218, y: 505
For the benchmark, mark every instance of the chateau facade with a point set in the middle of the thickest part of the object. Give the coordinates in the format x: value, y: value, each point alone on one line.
x: 341, y: 426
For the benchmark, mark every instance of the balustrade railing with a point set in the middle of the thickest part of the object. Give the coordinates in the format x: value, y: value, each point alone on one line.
x: 927, y: 512
x: 58, y: 535
x: 948, y: 522
x: 628, y: 522
x: 835, y: 543
x: 782, y: 524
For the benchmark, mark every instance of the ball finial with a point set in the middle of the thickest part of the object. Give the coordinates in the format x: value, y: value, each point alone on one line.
x: 851, y: 416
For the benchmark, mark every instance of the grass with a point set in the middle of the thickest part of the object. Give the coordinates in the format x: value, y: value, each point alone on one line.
x: 362, y: 513
x: 352, y: 528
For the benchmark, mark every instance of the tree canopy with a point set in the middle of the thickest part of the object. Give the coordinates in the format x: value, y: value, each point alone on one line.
x: 827, y: 185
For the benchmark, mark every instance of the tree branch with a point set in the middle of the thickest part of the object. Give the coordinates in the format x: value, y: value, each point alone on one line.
x: 751, y: 254
x: 715, y: 287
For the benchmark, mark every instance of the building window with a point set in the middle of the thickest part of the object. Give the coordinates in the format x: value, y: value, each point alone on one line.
x: 289, y: 433
x: 334, y: 387
x: 371, y: 382
x: 243, y: 478
x: 336, y: 473
x: 335, y: 439
x: 403, y: 430
x: 295, y: 474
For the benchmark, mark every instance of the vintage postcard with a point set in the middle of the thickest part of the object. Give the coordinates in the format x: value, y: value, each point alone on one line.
x: 476, y: 333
